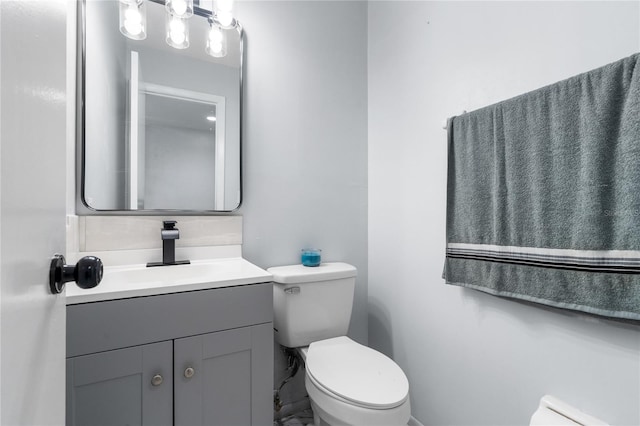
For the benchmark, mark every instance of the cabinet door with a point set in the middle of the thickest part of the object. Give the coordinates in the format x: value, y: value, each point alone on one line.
x: 225, y: 378
x: 118, y: 387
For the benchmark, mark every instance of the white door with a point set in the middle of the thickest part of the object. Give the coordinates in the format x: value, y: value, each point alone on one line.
x: 32, y: 212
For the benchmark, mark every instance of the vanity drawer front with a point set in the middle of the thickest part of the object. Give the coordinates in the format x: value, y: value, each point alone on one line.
x: 101, y: 326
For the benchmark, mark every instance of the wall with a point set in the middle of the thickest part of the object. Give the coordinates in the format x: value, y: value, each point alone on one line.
x: 474, y: 359
x: 305, y: 142
x: 106, y: 89
x: 305, y: 136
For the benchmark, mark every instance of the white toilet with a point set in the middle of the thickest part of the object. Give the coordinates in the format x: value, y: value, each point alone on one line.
x: 348, y: 383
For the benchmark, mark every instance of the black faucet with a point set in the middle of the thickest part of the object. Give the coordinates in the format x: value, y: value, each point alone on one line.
x: 169, y: 234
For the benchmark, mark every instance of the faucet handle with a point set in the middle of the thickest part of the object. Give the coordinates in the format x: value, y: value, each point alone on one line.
x: 169, y: 224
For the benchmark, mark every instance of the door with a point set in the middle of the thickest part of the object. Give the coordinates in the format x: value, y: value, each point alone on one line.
x: 32, y: 210
x: 224, y: 378
x: 131, y: 386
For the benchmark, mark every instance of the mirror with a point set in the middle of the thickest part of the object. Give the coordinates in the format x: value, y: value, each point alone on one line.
x: 159, y: 127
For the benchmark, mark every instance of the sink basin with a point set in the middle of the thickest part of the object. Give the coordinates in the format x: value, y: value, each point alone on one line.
x: 174, y: 274
x: 120, y: 282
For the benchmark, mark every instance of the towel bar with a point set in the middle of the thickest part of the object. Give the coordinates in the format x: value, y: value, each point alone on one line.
x: 444, y: 124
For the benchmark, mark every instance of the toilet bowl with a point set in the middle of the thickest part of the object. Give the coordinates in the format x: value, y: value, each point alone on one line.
x: 348, y: 383
x: 351, y: 384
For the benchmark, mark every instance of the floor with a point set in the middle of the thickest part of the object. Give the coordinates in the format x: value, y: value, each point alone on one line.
x: 301, y: 418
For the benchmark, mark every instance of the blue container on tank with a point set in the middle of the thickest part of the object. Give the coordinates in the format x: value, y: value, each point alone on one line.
x: 311, y: 257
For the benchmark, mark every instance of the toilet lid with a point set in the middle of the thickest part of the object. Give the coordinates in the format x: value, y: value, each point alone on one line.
x: 357, y: 373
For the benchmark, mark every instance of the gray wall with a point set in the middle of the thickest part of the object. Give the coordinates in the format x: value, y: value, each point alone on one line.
x: 305, y: 136
x: 305, y: 142
x: 106, y: 92
x: 474, y: 359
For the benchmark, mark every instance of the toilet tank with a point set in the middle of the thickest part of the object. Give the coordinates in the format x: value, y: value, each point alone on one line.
x: 312, y: 303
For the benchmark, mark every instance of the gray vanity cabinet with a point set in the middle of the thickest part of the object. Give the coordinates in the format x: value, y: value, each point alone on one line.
x: 217, y: 376
x: 195, y: 358
x: 118, y: 387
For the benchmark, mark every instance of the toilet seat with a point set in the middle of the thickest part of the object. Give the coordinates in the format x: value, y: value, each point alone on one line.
x: 356, y: 374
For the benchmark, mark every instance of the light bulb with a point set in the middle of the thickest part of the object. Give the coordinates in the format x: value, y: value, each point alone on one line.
x: 176, y: 26
x: 216, y: 43
x: 177, y: 32
x: 133, y: 21
x: 179, y: 7
x: 177, y: 37
x: 225, y: 18
x: 215, y: 36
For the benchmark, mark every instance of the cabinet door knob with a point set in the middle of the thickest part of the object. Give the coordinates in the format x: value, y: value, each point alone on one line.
x: 157, y: 380
x: 189, y: 372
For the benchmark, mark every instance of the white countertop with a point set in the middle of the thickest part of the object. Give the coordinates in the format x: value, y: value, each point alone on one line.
x: 120, y: 282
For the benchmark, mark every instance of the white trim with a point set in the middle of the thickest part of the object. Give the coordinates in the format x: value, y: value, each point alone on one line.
x: 134, y: 88
x: 624, y: 254
x: 220, y: 155
x: 173, y: 92
x: 1, y: 258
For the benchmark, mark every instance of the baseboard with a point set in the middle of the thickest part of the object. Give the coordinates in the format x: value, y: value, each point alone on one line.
x: 414, y: 422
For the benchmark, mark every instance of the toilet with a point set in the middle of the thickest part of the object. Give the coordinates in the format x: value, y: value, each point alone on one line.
x: 348, y: 383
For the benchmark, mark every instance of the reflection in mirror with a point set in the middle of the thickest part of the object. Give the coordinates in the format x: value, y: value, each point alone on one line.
x: 160, y: 126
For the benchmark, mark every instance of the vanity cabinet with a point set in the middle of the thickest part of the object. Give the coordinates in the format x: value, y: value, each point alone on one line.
x: 196, y: 358
x: 117, y: 387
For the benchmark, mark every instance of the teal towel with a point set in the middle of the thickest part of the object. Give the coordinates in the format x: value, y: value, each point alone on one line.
x: 543, y: 194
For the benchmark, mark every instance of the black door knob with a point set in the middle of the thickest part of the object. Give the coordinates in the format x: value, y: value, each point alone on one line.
x: 87, y: 273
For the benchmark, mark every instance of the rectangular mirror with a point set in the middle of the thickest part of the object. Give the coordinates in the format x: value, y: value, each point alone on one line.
x: 158, y: 127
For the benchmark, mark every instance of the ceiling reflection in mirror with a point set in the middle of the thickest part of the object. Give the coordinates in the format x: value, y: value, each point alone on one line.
x: 160, y: 127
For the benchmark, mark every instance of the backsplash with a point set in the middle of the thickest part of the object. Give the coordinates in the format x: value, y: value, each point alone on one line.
x: 120, y: 240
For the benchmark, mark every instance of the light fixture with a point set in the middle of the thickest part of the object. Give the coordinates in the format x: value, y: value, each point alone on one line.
x: 211, y: 118
x: 133, y: 19
x: 177, y: 31
x: 216, y: 41
x: 133, y: 22
x: 183, y: 8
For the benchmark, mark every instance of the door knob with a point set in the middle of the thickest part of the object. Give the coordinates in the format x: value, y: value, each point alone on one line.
x: 87, y: 273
